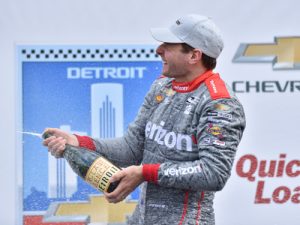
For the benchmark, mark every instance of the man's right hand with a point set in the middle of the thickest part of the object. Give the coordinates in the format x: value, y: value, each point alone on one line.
x: 57, y: 142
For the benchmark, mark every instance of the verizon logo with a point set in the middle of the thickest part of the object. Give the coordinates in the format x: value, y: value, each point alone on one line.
x: 170, y: 139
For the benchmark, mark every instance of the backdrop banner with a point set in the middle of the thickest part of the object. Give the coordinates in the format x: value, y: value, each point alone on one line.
x: 97, y: 90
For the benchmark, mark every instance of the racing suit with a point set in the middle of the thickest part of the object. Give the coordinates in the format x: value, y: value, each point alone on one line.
x: 186, y: 137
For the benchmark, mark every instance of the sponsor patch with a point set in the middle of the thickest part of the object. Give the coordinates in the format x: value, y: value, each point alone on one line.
x: 159, y: 98
x: 219, y: 143
x: 224, y: 115
x: 213, y: 120
x: 215, y: 130
x: 209, y: 141
x: 206, y: 141
x: 170, y: 92
x: 193, y: 100
x: 221, y: 107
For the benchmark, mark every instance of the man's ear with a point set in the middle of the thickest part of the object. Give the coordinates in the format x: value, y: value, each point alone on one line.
x: 196, y: 56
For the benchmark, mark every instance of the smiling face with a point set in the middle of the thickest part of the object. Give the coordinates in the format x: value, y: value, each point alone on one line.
x: 175, y: 61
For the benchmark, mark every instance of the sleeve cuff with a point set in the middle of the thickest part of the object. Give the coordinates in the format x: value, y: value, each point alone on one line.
x: 150, y: 172
x: 85, y: 142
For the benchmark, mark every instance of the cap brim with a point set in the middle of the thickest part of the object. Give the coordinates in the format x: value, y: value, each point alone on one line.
x: 164, y: 35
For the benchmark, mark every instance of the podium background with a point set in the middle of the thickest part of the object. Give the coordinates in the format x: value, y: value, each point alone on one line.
x: 272, y: 116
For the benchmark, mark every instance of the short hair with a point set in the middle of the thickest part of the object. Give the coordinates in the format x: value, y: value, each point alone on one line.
x: 207, y: 61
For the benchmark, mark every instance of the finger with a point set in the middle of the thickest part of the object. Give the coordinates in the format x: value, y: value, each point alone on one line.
x: 49, y: 131
x: 54, y: 132
x: 109, y: 198
x: 47, y: 140
x: 60, y: 151
x: 57, y: 147
x: 117, y: 195
x: 117, y: 176
x: 117, y: 192
x: 122, y: 197
x: 55, y: 141
x: 116, y: 199
x: 52, y: 146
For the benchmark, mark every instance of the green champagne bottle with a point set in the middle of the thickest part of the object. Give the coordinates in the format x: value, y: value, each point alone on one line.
x: 90, y: 166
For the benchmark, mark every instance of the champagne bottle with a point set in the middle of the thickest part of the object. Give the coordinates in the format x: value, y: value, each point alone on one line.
x: 90, y: 166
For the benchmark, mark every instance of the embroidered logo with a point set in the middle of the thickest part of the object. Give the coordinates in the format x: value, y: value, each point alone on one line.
x: 221, y: 107
x: 159, y: 98
x: 170, y: 92
x: 215, y: 130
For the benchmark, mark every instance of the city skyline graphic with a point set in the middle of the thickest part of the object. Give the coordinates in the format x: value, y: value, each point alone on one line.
x: 106, y: 122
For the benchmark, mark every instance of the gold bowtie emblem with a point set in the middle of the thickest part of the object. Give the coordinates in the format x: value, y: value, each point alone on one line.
x: 284, y: 53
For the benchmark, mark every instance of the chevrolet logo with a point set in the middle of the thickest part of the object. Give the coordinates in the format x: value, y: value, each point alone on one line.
x: 284, y: 53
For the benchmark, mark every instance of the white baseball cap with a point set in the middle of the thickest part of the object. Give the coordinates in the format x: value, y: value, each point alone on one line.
x: 195, y: 30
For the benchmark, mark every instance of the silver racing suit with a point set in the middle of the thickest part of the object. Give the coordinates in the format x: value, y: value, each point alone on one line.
x: 186, y: 142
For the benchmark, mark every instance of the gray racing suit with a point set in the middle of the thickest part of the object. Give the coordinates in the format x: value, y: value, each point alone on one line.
x: 186, y: 142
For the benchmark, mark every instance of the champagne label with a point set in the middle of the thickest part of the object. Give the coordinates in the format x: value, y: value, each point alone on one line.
x: 100, y: 172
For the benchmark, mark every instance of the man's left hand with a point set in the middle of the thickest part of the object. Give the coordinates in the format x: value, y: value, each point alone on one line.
x: 130, y: 178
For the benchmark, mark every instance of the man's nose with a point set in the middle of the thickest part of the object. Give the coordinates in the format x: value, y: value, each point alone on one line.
x: 160, y: 49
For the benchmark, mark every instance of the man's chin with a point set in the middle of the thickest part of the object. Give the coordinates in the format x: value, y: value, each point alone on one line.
x: 166, y: 74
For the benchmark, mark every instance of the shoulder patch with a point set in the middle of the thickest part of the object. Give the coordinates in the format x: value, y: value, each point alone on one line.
x: 217, y: 87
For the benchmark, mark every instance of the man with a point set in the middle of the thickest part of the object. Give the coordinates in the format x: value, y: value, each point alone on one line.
x: 182, y: 143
